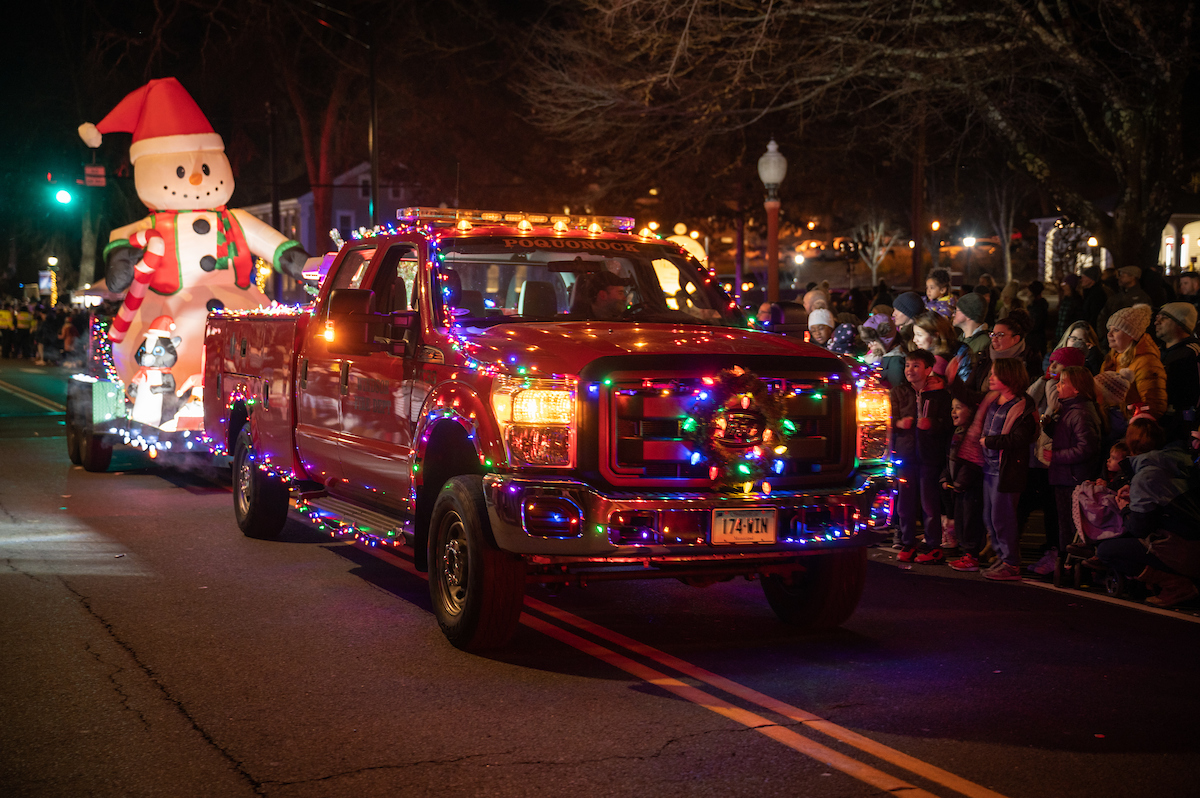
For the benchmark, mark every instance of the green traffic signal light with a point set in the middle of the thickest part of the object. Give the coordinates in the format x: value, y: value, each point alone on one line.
x: 63, y: 196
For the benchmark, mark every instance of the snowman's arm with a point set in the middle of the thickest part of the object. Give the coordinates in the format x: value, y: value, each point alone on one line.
x: 120, y: 235
x: 284, y: 254
x: 120, y: 256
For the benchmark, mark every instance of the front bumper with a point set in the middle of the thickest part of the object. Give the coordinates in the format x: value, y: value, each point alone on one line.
x: 564, y: 519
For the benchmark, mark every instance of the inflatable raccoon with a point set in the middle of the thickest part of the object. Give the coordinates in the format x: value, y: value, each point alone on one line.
x: 153, y: 387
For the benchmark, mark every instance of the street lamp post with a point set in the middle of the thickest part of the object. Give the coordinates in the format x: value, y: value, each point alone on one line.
x: 772, y: 167
x: 1092, y: 244
x: 969, y: 245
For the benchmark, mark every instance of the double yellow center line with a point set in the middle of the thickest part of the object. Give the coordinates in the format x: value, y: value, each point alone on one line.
x: 780, y: 733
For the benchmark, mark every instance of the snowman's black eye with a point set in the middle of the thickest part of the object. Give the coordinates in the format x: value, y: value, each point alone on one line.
x: 204, y: 169
x: 179, y: 171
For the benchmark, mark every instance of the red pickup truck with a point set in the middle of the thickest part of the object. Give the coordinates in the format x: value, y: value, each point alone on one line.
x: 519, y: 398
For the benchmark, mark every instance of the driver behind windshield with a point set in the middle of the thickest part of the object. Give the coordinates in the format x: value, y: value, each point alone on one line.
x: 599, y: 295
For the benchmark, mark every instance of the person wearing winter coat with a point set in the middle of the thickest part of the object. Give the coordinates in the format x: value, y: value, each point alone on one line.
x: 1074, y: 453
x: 1175, y: 326
x: 1161, y: 544
x: 1010, y: 425
x: 1039, y: 491
x: 1132, y: 348
x: 920, y: 445
x: 963, y: 477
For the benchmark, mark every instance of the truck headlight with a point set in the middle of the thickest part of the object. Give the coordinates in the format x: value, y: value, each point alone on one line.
x: 537, y: 419
x: 874, y: 411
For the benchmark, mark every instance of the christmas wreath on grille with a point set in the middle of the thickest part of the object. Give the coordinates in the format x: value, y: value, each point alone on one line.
x: 737, y: 429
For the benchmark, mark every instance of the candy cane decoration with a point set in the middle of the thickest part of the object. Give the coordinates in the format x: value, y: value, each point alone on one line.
x: 154, y: 247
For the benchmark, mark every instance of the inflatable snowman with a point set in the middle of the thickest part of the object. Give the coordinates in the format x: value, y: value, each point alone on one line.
x: 191, y: 254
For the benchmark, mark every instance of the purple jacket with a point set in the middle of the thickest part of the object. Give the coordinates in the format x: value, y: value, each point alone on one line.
x: 1076, y: 441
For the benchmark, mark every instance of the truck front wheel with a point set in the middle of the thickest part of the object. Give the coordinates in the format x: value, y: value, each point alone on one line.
x: 825, y: 595
x: 260, y: 502
x: 477, y: 590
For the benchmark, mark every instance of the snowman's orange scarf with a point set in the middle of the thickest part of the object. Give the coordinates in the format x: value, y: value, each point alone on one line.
x: 231, y: 249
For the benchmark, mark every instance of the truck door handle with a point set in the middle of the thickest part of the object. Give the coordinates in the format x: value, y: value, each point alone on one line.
x: 345, y: 378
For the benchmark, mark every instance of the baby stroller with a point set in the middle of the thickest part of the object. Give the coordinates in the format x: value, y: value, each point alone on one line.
x: 1097, y: 517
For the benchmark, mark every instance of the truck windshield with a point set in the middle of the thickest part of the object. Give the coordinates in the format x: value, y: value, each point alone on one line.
x: 488, y: 281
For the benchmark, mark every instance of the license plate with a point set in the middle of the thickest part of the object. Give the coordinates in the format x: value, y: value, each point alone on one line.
x: 730, y: 527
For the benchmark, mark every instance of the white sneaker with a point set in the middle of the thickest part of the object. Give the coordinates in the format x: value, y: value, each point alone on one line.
x: 1045, y: 565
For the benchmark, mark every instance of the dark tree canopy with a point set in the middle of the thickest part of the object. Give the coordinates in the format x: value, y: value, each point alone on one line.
x: 1086, y: 97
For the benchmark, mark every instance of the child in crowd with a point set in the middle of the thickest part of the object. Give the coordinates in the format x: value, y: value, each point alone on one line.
x: 1116, y: 467
x: 1161, y: 545
x: 1074, y: 454
x: 878, y: 334
x: 921, y: 441
x: 964, y: 478
x: 820, y: 326
x: 1009, y: 427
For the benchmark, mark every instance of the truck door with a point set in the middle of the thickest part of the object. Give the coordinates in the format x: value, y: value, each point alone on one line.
x: 377, y: 428
x: 321, y: 379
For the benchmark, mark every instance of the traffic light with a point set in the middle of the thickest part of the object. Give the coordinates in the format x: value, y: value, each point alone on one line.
x: 61, y: 195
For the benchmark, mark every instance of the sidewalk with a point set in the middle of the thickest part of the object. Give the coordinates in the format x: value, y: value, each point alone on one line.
x: 1031, y: 550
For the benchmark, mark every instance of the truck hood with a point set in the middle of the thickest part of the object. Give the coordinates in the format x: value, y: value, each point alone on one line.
x: 567, y: 347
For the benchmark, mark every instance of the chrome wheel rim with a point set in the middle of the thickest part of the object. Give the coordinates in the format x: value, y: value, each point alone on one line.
x: 242, y: 494
x: 452, y: 570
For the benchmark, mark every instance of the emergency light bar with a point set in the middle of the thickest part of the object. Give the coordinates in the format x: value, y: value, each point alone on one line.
x: 466, y: 219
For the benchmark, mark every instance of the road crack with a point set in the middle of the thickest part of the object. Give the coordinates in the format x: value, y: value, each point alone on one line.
x: 156, y: 680
x: 113, y: 671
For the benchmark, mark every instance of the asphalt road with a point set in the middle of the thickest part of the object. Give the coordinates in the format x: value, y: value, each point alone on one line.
x: 147, y: 648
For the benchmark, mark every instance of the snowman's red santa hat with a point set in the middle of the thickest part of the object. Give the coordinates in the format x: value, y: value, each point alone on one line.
x: 162, y: 327
x: 162, y: 117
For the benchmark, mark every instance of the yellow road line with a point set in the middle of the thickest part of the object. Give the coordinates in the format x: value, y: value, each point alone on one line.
x: 865, y: 744
x: 30, y: 396
x: 776, y: 732
x: 849, y: 766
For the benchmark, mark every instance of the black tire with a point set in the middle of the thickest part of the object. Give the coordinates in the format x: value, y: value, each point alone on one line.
x: 477, y: 590
x: 260, y: 502
x: 1114, y: 584
x: 95, y: 451
x: 85, y: 446
x: 825, y: 595
x: 73, y: 432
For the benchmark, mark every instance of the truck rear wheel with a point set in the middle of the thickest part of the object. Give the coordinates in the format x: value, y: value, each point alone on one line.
x: 477, y: 590
x: 73, y: 432
x: 260, y: 502
x: 825, y: 595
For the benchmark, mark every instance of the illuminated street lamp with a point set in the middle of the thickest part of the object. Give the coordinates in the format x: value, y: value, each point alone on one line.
x: 1092, y: 245
x: 937, y: 258
x: 52, y: 261
x: 969, y: 245
x: 772, y: 168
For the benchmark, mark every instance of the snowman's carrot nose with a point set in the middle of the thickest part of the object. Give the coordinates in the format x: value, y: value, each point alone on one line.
x: 196, y: 178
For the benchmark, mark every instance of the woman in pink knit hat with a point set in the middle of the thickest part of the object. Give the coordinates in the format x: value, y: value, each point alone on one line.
x: 1131, y: 348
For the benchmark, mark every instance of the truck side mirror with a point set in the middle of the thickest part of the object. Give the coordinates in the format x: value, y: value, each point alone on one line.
x: 349, y: 322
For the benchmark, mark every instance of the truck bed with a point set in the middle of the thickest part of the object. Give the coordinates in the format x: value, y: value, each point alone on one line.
x: 250, y: 359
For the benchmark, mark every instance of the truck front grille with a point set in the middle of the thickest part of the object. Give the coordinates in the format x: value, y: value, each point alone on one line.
x: 647, y: 442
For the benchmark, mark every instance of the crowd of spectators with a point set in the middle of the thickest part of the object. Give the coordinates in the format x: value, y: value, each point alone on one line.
x: 1003, y: 407
x: 44, y: 334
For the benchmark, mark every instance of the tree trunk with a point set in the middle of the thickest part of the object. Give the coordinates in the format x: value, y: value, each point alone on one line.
x: 318, y: 151
x: 87, y: 255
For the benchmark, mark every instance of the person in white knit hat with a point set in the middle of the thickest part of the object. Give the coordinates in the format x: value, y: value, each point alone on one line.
x: 1131, y: 348
x: 820, y: 326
